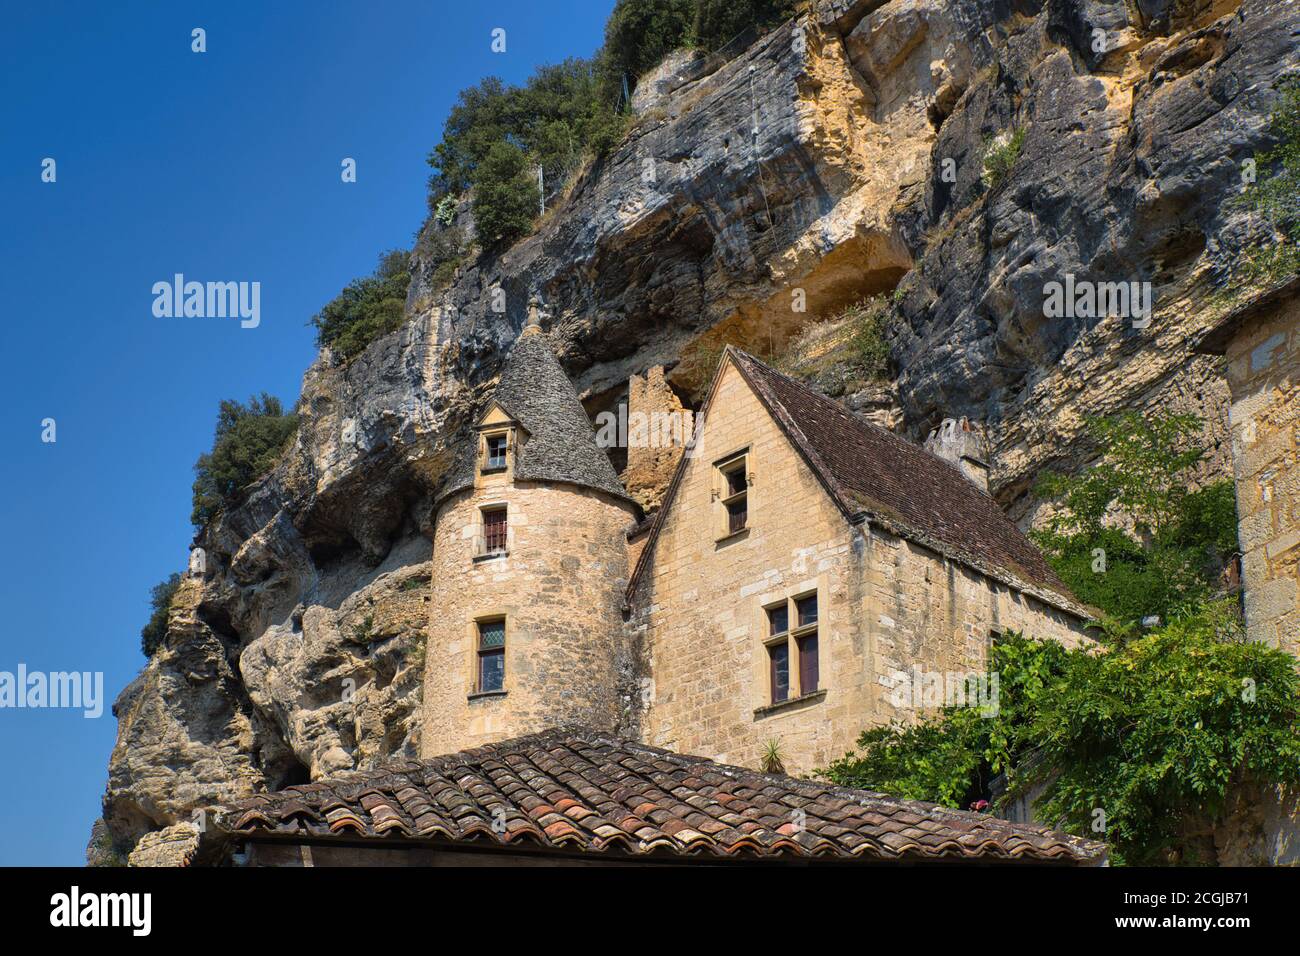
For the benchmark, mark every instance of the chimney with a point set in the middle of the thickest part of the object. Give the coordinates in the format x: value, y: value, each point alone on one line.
x: 958, y: 441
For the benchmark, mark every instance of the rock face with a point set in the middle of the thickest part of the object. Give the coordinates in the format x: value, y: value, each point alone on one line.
x: 840, y: 155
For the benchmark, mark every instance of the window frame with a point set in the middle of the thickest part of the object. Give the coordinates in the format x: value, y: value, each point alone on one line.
x: 486, y: 465
x: 482, y: 547
x: 794, y: 639
x: 481, y: 653
x: 738, y: 461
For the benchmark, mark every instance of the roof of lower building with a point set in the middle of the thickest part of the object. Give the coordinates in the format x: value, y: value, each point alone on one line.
x: 873, y: 474
x: 561, y: 445
x: 586, y: 792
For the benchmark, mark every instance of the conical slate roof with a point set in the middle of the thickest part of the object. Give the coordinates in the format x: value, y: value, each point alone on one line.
x: 560, y: 444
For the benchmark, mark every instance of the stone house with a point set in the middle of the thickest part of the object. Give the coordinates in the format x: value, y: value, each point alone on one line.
x: 1261, y: 343
x: 806, y: 576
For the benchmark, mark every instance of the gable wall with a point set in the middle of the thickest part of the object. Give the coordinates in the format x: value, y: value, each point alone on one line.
x: 885, y: 605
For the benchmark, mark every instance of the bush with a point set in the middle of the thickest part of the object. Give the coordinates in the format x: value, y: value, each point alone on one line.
x: 1170, y: 544
x: 866, y: 319
x: 719, y: 21
x: 154, y: 633
x: 248, y: 441
x: 640, y: 33
x: 367, y: 308
x: 505, y: 195
x: 1149, y: 739
x: 1000, y: 156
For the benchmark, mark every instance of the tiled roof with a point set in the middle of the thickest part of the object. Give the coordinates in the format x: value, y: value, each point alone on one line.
x: 871, y: 472
x: 587, y: 792
x: 561, y: 445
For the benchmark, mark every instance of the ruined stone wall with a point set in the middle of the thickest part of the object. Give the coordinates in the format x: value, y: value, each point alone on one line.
x: 1264, y: 374
x: 559, y: 587
x: 884, y: 606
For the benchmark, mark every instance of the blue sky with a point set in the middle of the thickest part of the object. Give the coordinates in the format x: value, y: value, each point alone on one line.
x: 222, y: 166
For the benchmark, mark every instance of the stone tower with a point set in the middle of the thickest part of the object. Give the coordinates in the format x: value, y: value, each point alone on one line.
x: 529, y: 567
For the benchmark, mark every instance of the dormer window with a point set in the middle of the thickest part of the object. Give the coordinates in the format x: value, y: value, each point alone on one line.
x: 495, y: 453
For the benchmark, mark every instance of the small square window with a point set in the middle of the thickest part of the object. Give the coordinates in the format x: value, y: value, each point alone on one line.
x: 496, y: 451
x: 733, y: 490
x: 778, y: 619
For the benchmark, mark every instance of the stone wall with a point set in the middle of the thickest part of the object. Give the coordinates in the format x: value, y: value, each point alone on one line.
x: 884, y: 606
x: 559, y: 588
x: 1264, y: 374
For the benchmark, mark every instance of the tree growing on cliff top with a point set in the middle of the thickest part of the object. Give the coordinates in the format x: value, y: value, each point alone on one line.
x: 154, y: 632
x: 249, y: 439
x: 367, y: 308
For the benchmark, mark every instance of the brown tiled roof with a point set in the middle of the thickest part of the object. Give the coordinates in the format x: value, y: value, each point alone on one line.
x: 873, y: 474
x: 587, y: 792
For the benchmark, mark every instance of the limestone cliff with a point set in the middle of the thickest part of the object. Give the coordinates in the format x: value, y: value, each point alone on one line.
x: 841, y: 154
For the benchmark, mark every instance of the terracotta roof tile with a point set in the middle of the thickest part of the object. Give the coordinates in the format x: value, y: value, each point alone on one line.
x: 591, y: 792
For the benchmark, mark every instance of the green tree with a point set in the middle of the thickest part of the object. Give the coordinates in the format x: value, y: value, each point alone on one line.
x: 367, y: 308
x: 640, y: 33
x: 154, y: 632
x: 505, y: 195
x: 719, y: 21
x: 1130, y: 538
x: 249, y: 439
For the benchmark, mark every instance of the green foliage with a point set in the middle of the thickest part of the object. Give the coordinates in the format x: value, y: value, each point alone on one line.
x: 1275, y: 196
x: 366, y: 309
x: 154, y: 633
x: 719, y: 21
x: 866, y: 319
x: 248, y: 441
x: 505, y: 195
x: 952, y: 758
x: 999, y: 157
x: 1130, y: 538
x: 1155, y: 734
x: 496, y: 135
x: 640, y: 33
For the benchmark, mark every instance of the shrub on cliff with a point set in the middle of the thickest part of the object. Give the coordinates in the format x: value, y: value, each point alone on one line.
x: 366, y: 309
x: 1275, y: 196
x: 160, y: 599
x: 1130, y: 537
x: 249, y: 439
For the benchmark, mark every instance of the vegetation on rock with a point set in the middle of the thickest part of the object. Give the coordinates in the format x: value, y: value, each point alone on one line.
x: 1130, y: 538
x: 366, y: 309
x: 154, y: 632
x: 249, y: 439
x: 1001, y: 155
x: 1275, y: 195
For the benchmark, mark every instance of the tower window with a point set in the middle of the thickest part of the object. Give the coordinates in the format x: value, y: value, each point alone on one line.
x: 495, y: 533
x: 798, y: 644
x: 491, y: 655
x: 496, y: 448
